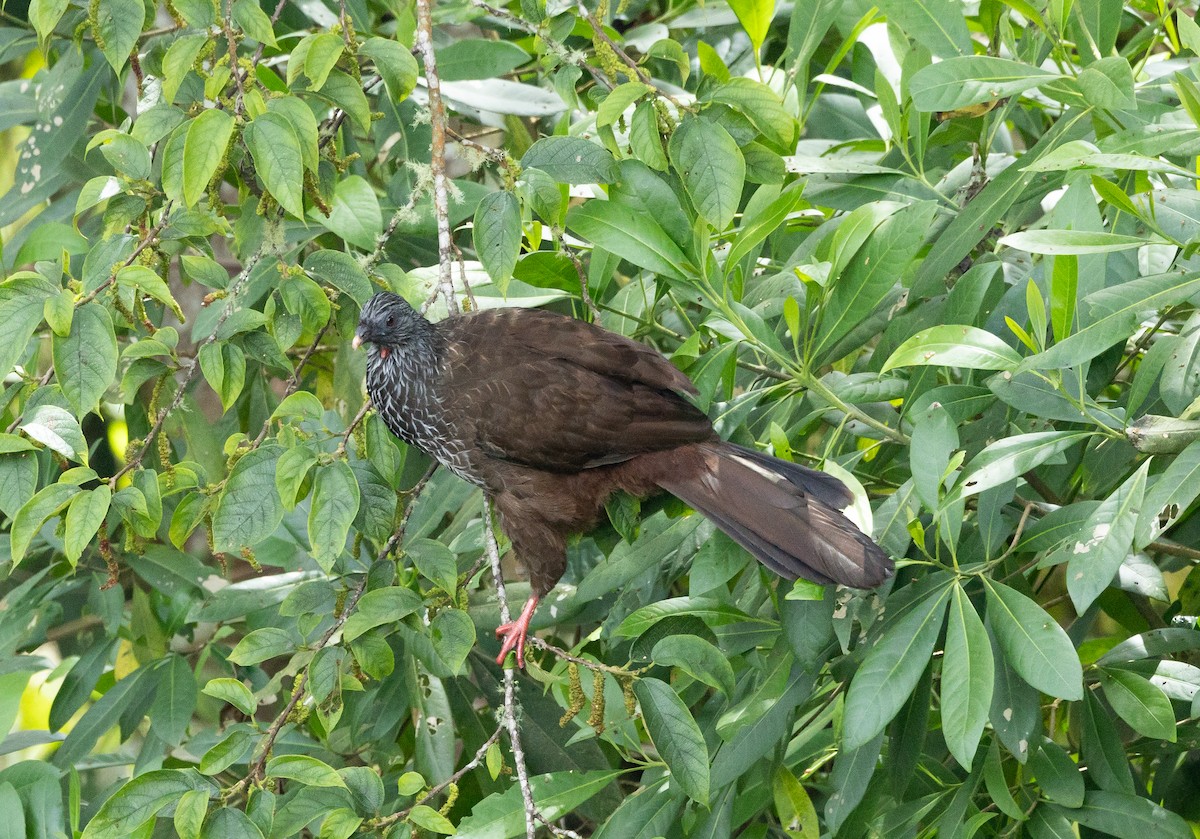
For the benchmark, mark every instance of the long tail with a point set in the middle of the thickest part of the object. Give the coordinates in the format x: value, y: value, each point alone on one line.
x: 786, y: 515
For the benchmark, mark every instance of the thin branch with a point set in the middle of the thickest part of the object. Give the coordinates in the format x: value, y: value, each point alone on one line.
x: 559, y: 652
x: 233, y: 290
x: 437, y: 152
x: 268, y: 741
x: 480, y: 754
x: 583, y: 280
x: 151, y: 238
x: 509, y: 712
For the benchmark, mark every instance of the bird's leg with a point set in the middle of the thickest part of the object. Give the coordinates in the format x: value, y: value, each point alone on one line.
x: 514, y: 633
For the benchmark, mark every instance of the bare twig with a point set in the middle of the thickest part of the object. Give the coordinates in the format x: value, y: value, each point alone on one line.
x: 509, y: 712
x: 267, y: 743
x: 151, y: 238
x: 583, y: 280
x: 480, y: 754
x: 231, y: 306
x: 559, y: 652
x: 437, y: 152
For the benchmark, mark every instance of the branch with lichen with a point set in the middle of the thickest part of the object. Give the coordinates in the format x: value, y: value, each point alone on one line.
x: 437, y: 152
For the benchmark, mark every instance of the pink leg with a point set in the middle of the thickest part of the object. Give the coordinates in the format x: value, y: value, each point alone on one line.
x: 514, y: 633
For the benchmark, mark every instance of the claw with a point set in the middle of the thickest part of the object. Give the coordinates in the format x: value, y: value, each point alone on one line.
x: 515, y: 632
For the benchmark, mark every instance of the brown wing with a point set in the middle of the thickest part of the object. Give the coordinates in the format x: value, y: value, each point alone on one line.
x: 555, y: 393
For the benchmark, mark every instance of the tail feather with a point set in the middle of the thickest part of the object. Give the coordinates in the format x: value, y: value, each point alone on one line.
x: 784, y: 514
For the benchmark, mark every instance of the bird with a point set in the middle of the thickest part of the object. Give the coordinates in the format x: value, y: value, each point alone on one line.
x: 550, y: 416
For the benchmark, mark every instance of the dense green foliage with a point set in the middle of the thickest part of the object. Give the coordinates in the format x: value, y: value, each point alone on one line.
x: 948, y: 259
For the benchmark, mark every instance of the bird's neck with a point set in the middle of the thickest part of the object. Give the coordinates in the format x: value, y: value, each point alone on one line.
x: 425, y: 348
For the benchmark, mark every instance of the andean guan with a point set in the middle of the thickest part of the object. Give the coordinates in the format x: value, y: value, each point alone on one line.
x: 550, y: 416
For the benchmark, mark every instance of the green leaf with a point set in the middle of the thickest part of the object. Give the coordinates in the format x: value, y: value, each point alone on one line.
x: 1074, y: 242
x: 502, y: 814
x: 1105, y: 541
x: 124, y: 153
x: 1012, y: 457
x: 793, y: 804
x: 478, y: 58
x: 18, y: 480
x: 852, y: 772
x: 85, y: 361
x: 757, y: 228
x: 968, y: 671
x: 254, y: 21
x: 618, y: 101
x: 755, y: 17
x: 630, y: 234
x: 1127, y: 817
x: 45, y: 15
x: 277, y: 159
x: 892, y: 668
x: 698, y: 659
x: 262, y: 644
x: 335, y: 501
x: 762, y: 106
x: 938, y: 25
x: 571, y: 160
x: 291, y: 472
x: 709, y: 610
x: 712, y: 168
x: 21, y: 306
x: 1110, y: 316
x: 56, y: 429
x: 1057, y: 775
x: 233, y: 692
x: 190, y: 813
x: 453, y: 634
x: 676, y: 736
x: 344, y: 91
x: 1033, y: 642
x: 354, y: 212
x: 204, y: 148
x: 324, y: 50
x: 140, y: 799
x: 77, y: 686
x: 45, y: 503
x: 234, y: 747
x: 954, y: 346
x: 149, y: 283
x: 869, y: 274
x: 427, y: 818
x: 303, y: 123
x: 342, y: 271
x: 174, y: 701
x: 178, y: 62
x: 305, y: 770
x: 645, y: 140
x: 970, y: 79
x: 380, y: 606
x: 435, y: 562
x: 224, y: 367
x: 497, y: 235
x: 1142, y: 705
x: 118, y: 23
x: 84, y: 517
x: 300, y: 405
x: 249, y: 509
x: 395, y: 65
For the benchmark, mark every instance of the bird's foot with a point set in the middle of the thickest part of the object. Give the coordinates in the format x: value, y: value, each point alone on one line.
x: 514, y: 634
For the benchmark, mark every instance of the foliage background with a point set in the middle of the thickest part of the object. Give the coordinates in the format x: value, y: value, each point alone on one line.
x: 944, y: 251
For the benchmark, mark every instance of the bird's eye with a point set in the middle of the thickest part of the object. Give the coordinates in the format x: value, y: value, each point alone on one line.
x: 391, y: 321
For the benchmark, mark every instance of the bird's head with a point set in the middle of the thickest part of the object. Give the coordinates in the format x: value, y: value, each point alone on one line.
x: 388, y: 322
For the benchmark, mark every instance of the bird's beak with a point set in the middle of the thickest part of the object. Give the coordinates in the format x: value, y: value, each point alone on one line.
x: 356, y: 342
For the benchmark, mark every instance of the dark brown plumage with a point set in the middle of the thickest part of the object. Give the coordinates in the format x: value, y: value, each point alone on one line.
x: 551, y: 416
